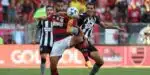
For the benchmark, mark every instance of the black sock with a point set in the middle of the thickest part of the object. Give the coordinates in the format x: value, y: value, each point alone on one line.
x: 95, y: 69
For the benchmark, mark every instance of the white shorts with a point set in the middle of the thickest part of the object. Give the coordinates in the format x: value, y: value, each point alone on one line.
x: 60, y: 46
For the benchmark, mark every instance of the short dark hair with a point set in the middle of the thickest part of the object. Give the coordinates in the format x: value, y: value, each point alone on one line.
x: 49, y: 7
x: 91, y: 4
x: 61, y: 1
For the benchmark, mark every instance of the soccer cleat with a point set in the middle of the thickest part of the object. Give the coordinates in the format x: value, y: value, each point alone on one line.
x: 88, y: 64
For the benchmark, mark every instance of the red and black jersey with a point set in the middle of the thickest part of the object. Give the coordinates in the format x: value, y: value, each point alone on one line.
x: 60, y: 26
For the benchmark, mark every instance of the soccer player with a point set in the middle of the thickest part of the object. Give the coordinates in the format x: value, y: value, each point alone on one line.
x: 63, y: 37
x: 87, y: 22
x: 46, y: 37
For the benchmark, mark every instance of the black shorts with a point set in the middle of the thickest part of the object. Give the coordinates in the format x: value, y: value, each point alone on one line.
x: 45, y: 49
x: 91, y: 48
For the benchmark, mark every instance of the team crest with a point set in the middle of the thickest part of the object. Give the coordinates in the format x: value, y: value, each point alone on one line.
x: 137, y: 55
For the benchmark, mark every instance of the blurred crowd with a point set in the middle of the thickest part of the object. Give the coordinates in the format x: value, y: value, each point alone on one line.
x: 20, y: 13
x: 127, y: 11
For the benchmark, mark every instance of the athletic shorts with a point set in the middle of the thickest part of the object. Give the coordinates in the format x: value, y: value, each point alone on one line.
x: 45, y: 49
x: 60, y: 46
x: 91, y: 48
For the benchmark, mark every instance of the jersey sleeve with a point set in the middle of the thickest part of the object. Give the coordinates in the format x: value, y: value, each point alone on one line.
x: 39, y: 25
x: 81, y: 20
x: 98, y: 21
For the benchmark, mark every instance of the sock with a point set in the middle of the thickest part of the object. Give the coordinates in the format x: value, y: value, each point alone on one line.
x: 54, y: 72
x: 95, y: 69
x: 42, y: 66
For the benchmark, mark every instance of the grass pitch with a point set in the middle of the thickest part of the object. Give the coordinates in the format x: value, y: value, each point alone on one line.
x: 111, y: 71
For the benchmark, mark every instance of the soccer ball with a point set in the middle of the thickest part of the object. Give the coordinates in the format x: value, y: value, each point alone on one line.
x: 72, y: 12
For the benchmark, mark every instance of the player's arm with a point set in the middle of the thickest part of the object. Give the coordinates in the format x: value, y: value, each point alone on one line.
x: 81, y: 20
x: 100, y: 23
x: 105, y: 25
x: 35, y: 32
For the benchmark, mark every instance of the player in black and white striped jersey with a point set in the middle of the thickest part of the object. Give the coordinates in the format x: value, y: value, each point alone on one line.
x: 46, y: 37
x: 86, y: 22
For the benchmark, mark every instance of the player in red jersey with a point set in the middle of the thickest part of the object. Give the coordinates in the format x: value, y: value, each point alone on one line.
x: 63, y: 37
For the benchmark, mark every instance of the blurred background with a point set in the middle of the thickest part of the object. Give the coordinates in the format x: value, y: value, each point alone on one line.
x: 118, y: 47
x: 133, y: 16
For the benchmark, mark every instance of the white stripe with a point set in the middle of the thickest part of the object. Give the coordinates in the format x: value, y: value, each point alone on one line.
x: 41, y: 38
x: 46, y: 34
x: 51, y: 39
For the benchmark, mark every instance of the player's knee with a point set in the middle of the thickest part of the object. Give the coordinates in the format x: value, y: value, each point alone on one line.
x: 43, y: 60
x: 54, y: 62
x: 100, y: 62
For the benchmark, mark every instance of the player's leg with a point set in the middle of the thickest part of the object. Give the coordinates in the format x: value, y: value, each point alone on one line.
x: 44, y: 50
x: 53, y: 65
x: 83, y: 49
x: 98, y: 60
x: 82, y: 45
x: 43, y: 60
x: 42, y: 65
x: 56, y: 53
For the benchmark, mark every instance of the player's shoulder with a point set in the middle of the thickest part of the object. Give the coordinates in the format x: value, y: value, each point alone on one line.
x: 83, y: 15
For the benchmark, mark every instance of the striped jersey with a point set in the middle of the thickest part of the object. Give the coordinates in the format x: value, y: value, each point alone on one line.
x: 87, y: 23
x: 46, y: 34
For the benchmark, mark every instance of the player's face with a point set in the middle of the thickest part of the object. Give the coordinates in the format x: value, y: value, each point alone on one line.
x: 90, y: 10
x: 59, y: 6
x: 50, y: 11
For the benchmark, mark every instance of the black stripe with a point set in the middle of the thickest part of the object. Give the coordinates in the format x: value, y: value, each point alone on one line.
x: 89, y: 33
x: 43, y: 40
x: 86, y: 31
x: 49, y: 34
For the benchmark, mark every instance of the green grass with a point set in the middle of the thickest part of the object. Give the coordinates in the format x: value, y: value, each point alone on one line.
x: 112, y: 71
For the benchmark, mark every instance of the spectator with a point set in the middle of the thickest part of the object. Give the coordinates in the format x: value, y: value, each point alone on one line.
x: 27, y: 11
x: 146, y: 15
x: 5, y: 4
x: 122, y: 11
x: 12, y: 12
x: 82, y: 6
x: 36, y: 3
x: 111, y: 4
x: 1, y: 13
x: 79, y: 5
x: 19, y: 18
x: 106, y: 15
x: 134, y: 14
x: 18, y: 36
x: 123, y: 34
